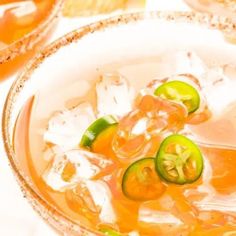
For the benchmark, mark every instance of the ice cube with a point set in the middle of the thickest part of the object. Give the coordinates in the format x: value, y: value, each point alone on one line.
x: 220, y: 129
x: 18, y: 7
x: 2, y: 45
x: 92, y: 198
x: 140, y: 130
x: 161, y: 222
x: 52, y: 151
x: 80, y: 200
x: 217, y: 202
x: 214, y: 76
x: 220, y: 90
x: 211, y: 200
x: 101, y: 195
x: 66, y: 128
x: 133, y: 233
x: 157, y: 217
x: 114, y: 95
x: 184, y: 62
x: 73, y: 166
x: 25, y: 13
x: 24, y: 8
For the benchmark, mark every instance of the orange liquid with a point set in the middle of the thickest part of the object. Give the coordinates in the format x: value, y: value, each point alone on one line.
x: 223, y: 181
x: 17, y: 19
x: 188, y: 203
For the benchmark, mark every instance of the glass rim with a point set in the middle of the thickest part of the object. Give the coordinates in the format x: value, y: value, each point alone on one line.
x: 27, y: 42
x: 227, y: 7
x: 39, y: 204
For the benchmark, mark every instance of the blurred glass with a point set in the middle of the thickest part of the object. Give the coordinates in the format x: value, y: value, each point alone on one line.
x: 73, y: 8
x: 218, y: 7
x: 24, y: 28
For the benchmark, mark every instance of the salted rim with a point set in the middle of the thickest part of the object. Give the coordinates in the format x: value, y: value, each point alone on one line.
x: 45, y: 209
x: 28, y: 41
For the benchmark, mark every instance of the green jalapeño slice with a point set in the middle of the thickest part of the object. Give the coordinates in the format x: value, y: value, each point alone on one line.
x: 97, y: 128
x: 141, y: 182
x: 179, y: 160
x: 180, y: 92
x: 110, y: 232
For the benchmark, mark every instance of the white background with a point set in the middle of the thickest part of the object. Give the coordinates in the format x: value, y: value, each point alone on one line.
x: 17, y: 218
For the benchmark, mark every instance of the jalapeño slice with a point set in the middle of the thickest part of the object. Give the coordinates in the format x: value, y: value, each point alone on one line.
x: 180, y: 91
x: 97, y: 128
x: 110, y: 232
x: 140, y: 181
x: 179, y: 160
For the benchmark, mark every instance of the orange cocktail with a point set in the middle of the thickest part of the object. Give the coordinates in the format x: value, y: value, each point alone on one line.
x: 24, y: 25
x: 117, y: 162
x: 134, y: 132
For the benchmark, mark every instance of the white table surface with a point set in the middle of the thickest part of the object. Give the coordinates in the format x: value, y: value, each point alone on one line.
x: 17, y: 218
